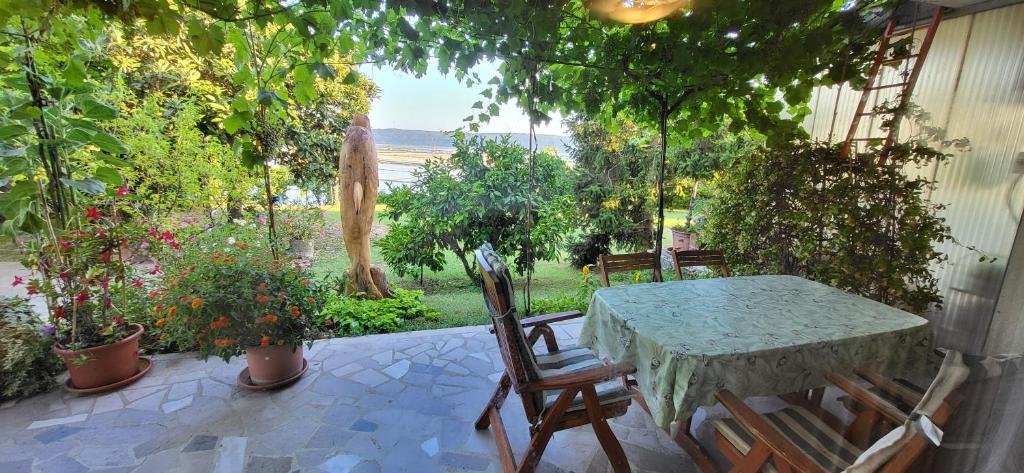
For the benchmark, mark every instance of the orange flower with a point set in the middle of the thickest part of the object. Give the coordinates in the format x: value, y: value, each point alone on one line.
x: 171, y: 311
x: 269, y: 319
x: 295, y: 310
x: 160, y: 322
x: 223, y: 342
x: 586, y: 270
x: 242, y: 245
x: 262, y: 299
x: 262, y: 286
x: 264, y: 341
x: 215, y: 256
x: 304, y: 282
x: 221, y: 322
x: 310, y: 299
x: 197, y: 302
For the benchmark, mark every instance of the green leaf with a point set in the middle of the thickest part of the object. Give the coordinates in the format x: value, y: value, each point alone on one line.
x: 350, y: 78
x: 478, y: 104
x: 95, y: 110
x: 325, y: 71
x: 108, y: 176
x: 207, y: 38
x: 236, y: 121
x: 75, y: 72
x: 26, y: 112
x: 88, y: 186
x: 108, y: 143
x: 113, y: 161
x: 12, y: 131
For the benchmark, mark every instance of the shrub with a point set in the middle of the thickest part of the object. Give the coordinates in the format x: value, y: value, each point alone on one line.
x: 352, y: 316
x: 850, y: 223
x: 300, y: 223
x: 585, y: 249
x: 578, y: 299
x: 479, y: 194
x: 27, y: 366
x: 233, y: 298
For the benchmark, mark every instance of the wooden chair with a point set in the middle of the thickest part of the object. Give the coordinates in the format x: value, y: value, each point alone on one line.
x: 795, y: 440
x: 564, y: 388
x: 608, y: 264
x: 689, y: 258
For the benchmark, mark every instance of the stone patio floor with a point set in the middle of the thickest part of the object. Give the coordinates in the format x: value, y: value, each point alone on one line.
x: 391, y: 403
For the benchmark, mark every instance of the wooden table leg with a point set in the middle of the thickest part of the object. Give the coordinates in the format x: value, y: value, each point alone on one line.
x: 683, y: 438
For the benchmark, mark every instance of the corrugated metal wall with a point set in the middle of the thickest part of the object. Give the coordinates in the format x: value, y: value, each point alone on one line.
x: 972, y: 84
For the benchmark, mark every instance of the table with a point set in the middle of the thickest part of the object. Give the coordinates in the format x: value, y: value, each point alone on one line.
x: 754, y: 335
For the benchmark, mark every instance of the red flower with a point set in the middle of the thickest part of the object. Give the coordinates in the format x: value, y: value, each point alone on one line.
x: 17, y: 280
x: 82, y: 298
x: 295, y: 311
x: 105, y: 283
x: 223, y: 342
x: 166, y: 235
x: 101, y: 233
x: 92, y: 213
x: 58, y: 313
x: 262, y: 299
x: 64, y: 244
x: 65, y: 274
x: 117, y: 320
x: 264, y: 341
x: 106, y: 256
x: 175, y: 245
x: 122, y: 191
x: 137, y: 283
x: 153, y: 232
x: 32, y: 289
x: 156, y: 270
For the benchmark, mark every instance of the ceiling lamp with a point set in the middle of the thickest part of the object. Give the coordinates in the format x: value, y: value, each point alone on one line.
x: 635, y: 11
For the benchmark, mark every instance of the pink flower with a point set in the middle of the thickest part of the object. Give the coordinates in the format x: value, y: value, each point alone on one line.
x: 156, y: 270
x: 175, y: 245
x: 82, y: 298
x: 17, y: 280
x: 167, y: 236
x: 262, y: 219
x: 105, y: 283
x: 153, y: 232
x: 144, y: 245
x: 122, y: 191
x: 64, y: 244
x: 137, y: 283
x: 106, y: 256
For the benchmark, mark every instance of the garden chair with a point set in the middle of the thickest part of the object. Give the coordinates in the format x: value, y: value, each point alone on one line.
x: 561, y: 389
x: 689, y: 258
x: 607, y: 264
x: 795, y: 440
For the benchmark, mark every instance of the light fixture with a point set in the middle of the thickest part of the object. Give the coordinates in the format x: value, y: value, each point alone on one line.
x: 635, y: 11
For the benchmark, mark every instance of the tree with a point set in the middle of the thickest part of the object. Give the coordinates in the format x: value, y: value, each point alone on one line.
x: 615, y: 170
x: 475, y: 196
x: 747, y: 60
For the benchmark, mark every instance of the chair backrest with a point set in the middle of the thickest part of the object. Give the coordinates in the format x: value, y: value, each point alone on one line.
x: 608, y: 264
x: 900, y: 448
x: 689, y: 258
x: 516, y: 352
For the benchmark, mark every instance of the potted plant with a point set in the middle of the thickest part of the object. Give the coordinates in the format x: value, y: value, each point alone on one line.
x: 300, y: 225
x: 684, y: 236
x: 90, y: 289
x: 234, y: 300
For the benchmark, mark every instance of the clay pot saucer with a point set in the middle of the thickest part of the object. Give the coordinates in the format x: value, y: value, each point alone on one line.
x: 246, y: 383
x: 144, y: 367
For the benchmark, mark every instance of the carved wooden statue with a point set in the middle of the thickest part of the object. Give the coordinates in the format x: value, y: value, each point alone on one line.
x: 358, y: 198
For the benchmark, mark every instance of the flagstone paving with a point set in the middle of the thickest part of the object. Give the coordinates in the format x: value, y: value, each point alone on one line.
x: 386, y: 403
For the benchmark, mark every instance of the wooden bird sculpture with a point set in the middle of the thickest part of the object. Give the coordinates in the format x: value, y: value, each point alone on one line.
x: 357, y: 195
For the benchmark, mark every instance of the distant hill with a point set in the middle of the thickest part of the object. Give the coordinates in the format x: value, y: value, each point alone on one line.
x: 426, y: 141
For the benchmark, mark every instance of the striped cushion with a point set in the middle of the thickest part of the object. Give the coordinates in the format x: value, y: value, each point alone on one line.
x: 571, y: 359
x: 825, y: 446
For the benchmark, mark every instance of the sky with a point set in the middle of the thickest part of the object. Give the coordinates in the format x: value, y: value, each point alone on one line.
x: 438, y: 102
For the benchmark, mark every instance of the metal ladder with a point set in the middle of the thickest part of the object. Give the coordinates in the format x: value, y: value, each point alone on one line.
x: 912, y: 64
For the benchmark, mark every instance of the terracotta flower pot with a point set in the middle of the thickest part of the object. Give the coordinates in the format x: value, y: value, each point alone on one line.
x: 103, y: 365
x: 684, y: 240
x: 268, y: 365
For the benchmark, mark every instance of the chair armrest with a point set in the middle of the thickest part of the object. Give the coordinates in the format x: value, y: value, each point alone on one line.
x: 867, y: 398
x: 593, y: 375
x: 903, y: 393
x: 765, y: 432
x: 546, y: 319
x: 550, y: 318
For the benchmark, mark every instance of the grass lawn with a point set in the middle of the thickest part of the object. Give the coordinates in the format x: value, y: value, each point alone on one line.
x: 450, y: 291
